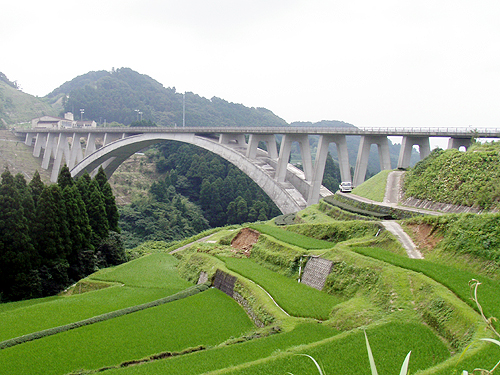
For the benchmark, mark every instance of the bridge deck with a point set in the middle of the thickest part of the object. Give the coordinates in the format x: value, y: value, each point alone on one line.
x: 414, y: 132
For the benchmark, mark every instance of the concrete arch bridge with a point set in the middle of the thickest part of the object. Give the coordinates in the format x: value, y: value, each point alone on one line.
x: 290, y: 188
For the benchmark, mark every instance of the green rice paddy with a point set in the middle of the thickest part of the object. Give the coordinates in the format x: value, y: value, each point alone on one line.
x: 207, y: 319
x: 295, y: 298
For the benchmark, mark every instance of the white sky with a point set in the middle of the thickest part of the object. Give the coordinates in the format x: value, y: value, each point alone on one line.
x: 386, y: 63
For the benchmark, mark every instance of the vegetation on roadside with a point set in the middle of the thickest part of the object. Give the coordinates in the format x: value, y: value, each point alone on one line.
x: 470, y: 178
x: 474, y: 238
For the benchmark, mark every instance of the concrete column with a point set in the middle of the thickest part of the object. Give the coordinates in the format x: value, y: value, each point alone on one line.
x: 111, y: 137
x: 407, y: 144
x: 253, y: 145
x: 29, y: 138
x: 364, y: 152
x: 61, y: 150
x: 305, y: 151
x: 50, y: 148
x: 40, y: 141
x: 76, y: 153
x: 459, y: 142
x: 320, y: 162
x: 91, y: 147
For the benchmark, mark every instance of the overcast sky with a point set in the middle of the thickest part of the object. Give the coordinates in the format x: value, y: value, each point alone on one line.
x: 386, y: 63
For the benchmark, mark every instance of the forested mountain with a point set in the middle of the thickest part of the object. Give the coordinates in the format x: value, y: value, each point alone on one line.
x: 119, y: 96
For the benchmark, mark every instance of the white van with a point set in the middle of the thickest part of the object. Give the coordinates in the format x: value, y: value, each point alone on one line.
x: 345, y: 187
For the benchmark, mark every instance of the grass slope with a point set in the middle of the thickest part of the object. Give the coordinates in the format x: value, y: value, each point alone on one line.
x: 457, y: 282
x: 373, y: 188
x: 291, y: 238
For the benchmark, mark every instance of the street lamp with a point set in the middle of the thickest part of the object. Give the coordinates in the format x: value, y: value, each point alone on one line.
x: 81, y: 113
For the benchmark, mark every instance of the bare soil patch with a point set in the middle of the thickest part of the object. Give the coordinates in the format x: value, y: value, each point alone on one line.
x: 245, y: 239
x: 423, y: 236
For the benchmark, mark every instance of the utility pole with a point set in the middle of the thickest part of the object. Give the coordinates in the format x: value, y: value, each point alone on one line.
x: 184, y: 109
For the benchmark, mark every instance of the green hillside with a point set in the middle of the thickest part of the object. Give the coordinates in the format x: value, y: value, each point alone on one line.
x: 17, y: 107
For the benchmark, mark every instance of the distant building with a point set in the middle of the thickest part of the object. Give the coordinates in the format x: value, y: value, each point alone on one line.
x: 50, y: 122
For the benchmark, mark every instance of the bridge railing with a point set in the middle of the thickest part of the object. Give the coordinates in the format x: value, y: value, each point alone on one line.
x: 389, y: 131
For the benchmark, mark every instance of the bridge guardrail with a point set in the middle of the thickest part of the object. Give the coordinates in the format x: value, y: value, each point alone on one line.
x: 421, y: 131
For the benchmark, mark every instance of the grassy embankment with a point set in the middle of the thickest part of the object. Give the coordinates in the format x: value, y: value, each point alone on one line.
x: 470, y: 178
x: 373, y: 188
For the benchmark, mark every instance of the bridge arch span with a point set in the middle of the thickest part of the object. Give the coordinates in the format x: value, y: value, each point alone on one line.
x: 110, y: 156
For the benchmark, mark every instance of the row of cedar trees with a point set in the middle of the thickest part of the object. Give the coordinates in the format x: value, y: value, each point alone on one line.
x: 53, y: 235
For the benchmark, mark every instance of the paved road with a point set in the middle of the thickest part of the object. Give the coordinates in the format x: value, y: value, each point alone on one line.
x: 393, y: 187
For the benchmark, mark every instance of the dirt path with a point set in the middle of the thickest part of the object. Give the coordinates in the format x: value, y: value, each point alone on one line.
x: 189, y: 244
x: 403, y: 238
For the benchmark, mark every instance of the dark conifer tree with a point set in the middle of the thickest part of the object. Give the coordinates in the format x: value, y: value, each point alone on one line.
x: 109, y: 200
x: 36, y: 185
x: 242, y: 209
x: 96, y: 210
x: 111, y: 208
x: 64, y: 179
x: 81, y: 257
x: 83, y: 186
x: 52, y: 239
x: 17, y: 255
x: 101, y: 178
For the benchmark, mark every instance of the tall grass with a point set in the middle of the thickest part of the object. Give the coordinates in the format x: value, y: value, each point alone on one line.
x: 150, y: 271
x: 147, y: 279
x: 61, y: 311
